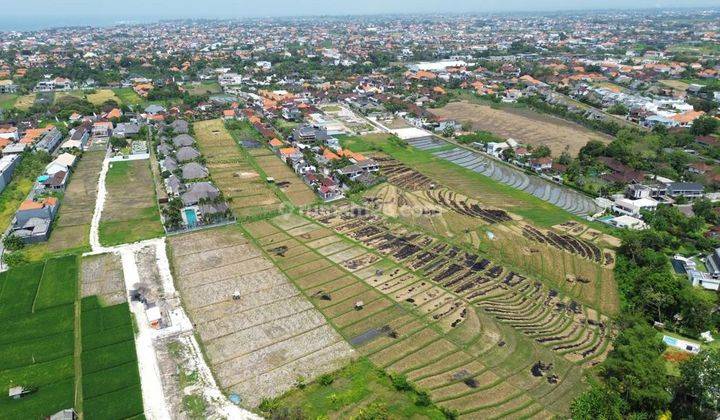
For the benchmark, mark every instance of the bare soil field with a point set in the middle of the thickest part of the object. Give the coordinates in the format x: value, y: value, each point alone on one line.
x: 263, y: 343
x: 102, y: 275
x: 231, y: 171
x: 72, y: 228
x: 525, y: 126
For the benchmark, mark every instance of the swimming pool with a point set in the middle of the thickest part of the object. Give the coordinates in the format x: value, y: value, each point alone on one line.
x: 191, y: 217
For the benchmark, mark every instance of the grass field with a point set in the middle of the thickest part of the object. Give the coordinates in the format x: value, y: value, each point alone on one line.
x: 353, y: 390
x: 38, y: 345
x: 7, y: 100
x: 524, y: 125
x: 24, y: 102
x: 103, y: 95
x: 234, y: 172
x: 205, y: 88
x: 128, y: 96
x: 131, y: 212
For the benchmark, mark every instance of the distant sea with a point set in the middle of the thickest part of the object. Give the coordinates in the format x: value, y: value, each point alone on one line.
x: 35, y: 23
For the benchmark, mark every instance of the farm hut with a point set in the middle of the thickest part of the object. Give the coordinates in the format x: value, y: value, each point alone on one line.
x: 359, y: 305
x: 154, y: 317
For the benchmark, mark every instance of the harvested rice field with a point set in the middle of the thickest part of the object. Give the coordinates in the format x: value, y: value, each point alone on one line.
x: 72, y: 227
x: 260, y: 334
x: 480, y: 339
x: 289, y: 183
x: 570, y: 256
x: 233, y: 173
x: 131, y: 211
x: 526, y: 126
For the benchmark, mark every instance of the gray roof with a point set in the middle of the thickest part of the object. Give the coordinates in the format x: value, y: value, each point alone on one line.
x: 685, y: 186
x: 194, y: 170
x: 179, y: 126
x: 213, y: 208
x: 154, y: 109
x: 185, y: 154
x: 183, y: 140
x: 170, y: 164
x: 174, y: 184
x: 198, y: 191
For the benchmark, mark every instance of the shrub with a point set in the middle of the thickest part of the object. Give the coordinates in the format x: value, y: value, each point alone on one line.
x: 326, y: 379
x: 401, y: 383
x: 423, y: 399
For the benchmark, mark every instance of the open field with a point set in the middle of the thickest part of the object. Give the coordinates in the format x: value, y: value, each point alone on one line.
x: 41, y: 347
x: 128, y: 96
x: 525, y: 126
x: 263, y: 343
x: 288, y: 181
x: 24, y: 102
x: 7, y: 100
x: 72, y: 227
x: 232, y: 171
x: 354, y: 388
x: 103, y: 95
x: 131, y: 213
x: 458, y: 326
x: 205, y: 88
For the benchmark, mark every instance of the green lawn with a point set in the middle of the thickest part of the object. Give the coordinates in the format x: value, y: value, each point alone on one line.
x: 37, y: 345
x: 352, y: 391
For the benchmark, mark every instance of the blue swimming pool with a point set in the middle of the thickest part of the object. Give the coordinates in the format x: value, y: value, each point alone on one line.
x: 191, y: 217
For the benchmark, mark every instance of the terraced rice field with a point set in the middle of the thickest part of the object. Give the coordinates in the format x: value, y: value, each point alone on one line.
x: 565, y: 198
x: 261, y: 344
x: 72, y: 228
x: 131, y: 211
x: 526, y: 126
x: 289, y: 183
x: 576, y: 261
x: 467, y: 330
x: 232, y: 172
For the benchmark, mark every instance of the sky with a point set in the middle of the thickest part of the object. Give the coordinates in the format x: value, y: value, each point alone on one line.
x: 31, y: 14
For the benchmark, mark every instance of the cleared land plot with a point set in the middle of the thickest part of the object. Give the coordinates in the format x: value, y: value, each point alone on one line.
x: 37, y: 347
x: 72, y: 229
x: 128, y: 96
x: 232, y: 172
x: 131, y: 213
x: 102, y: 275
x: 526, y: 126
x: 260, y: 344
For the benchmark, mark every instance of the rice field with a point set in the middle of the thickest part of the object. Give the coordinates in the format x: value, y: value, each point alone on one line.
x: 65, y: 352
x: 131, y: 211
x: 262, y: 343
x: 233, y: 173
x: 467, y: 331
x: 72, y: 227
x: 569, y: 257
x: 288, y: 181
